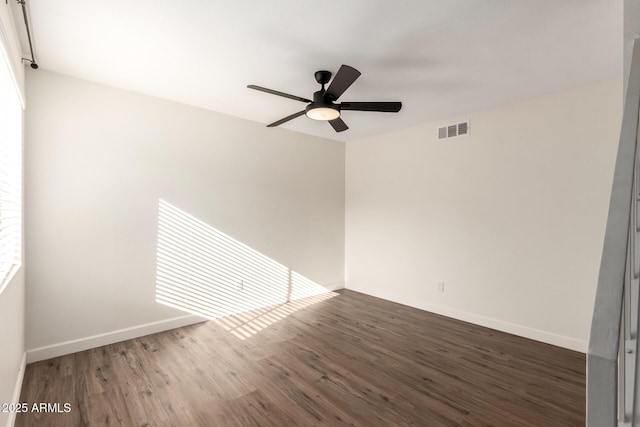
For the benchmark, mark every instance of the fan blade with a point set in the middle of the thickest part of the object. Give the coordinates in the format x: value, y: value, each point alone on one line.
x: 338, y: 125
x: 286, y: 119
x: 275, y: 92
x: 344, y: 78
x: 384, y: 107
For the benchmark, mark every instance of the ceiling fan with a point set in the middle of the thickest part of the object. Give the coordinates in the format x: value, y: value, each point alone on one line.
x: 323, y: 106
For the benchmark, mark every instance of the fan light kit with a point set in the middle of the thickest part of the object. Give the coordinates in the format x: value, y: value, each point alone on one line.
x: 323, y: 113
x: 323, y: 106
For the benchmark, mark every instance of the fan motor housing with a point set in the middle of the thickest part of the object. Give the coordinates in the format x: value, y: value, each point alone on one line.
x: 320, y: 98
x: 321, y: 108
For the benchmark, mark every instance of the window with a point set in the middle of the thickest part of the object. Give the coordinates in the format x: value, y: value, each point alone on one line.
x: 10, y: 174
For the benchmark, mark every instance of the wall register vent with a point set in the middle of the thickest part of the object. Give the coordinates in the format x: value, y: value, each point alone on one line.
x: 453, y: 130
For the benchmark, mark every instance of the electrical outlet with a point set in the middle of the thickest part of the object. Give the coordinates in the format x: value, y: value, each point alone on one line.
x: 440, y: 286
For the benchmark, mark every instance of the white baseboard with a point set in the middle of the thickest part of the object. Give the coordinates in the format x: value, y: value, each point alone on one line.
x: 86, y: 343
x: 334, y: 286
x: 489, y: 322
x: 73, y: 346
x: 17, y: 389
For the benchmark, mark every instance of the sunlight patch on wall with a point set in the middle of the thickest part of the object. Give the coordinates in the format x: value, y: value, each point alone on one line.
x: 205, y: 272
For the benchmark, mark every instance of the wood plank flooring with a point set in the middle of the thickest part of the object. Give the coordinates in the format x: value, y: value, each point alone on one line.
x: 350, y: 360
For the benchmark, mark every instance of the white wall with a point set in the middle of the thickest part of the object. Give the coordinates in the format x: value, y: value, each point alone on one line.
x: 12, y: 302
x: 511, y: 217
x: 12, y: 345
x: 99, y: 159
x: 631, y: 32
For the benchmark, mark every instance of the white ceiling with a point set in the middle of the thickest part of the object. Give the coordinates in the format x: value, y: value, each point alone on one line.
x: 441, y: 58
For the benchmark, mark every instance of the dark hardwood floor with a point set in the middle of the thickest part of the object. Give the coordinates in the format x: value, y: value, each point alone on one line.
x: 348, y: 360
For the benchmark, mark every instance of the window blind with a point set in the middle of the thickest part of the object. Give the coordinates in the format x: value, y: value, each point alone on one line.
x: 10, y: 174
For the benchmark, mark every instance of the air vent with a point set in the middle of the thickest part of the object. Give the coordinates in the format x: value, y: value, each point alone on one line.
x: 450, y: 131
